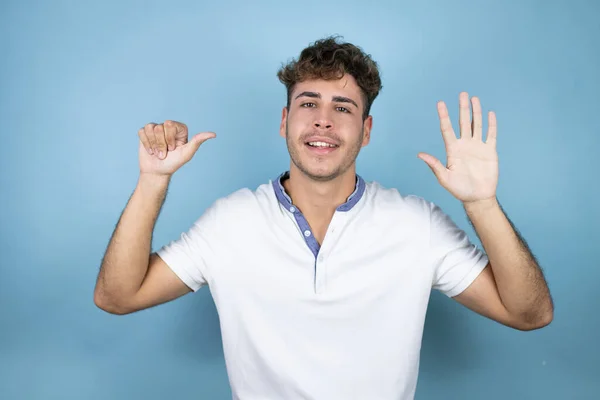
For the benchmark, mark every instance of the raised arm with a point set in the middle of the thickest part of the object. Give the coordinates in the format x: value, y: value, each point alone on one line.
x: 512, y: 289
x: 130, y: 277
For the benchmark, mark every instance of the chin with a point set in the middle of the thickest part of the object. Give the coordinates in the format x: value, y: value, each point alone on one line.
x: 321, y: 168
x: 320, y: 173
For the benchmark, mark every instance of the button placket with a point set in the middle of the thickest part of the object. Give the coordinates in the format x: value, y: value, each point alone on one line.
x: 321, y: 272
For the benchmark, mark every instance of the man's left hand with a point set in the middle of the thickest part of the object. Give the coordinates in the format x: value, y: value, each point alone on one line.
x: 471, y: 174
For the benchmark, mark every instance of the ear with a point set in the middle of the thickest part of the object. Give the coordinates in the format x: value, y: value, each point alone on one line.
x: 367, y: 125
x: 284, y: 115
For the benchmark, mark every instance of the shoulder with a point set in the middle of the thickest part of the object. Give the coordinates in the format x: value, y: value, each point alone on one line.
x: 388, y: 199
x: 244, y: 202
x: 409, y: 213
x: 414, y: 212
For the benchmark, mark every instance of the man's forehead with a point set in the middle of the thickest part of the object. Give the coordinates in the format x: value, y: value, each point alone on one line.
x: 345, y: 85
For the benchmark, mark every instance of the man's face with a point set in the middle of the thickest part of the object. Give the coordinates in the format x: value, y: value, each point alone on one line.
x: 323, y: 127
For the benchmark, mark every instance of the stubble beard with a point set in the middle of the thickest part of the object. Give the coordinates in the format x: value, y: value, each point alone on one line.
x: 347, y: 161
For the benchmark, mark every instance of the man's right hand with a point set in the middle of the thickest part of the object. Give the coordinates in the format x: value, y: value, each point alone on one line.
x: 164, y: 148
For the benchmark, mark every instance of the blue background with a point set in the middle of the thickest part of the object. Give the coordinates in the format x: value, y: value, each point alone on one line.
x: 78, y: 79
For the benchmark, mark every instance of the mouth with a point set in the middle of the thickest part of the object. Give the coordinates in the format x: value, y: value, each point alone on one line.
x: 321, y: 148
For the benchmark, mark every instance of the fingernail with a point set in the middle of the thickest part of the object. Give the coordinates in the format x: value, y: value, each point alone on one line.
x: 160, y: 154
x: 150, y: 151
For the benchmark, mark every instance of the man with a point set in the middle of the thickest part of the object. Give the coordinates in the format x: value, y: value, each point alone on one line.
x: 322, y: 280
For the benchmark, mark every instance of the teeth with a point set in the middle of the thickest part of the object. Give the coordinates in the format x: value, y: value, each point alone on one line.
x: 321, y: 144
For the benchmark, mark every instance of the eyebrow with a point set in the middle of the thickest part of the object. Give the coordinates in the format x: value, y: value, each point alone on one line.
x: 337, y: 99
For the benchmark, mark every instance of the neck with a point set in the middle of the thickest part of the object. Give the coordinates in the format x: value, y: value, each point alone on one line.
x: 319, y: 199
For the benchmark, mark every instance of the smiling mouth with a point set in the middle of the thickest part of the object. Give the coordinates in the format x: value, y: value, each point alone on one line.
x: 321, y: 148
x: 322, y: 145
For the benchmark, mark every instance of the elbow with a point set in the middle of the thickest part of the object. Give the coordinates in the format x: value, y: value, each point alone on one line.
x: 540, y: 321
x: 109, y: 306
x: 539, y: 324
x: 546, y: 318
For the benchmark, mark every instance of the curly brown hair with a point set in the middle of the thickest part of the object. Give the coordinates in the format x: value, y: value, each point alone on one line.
x: 329, y: 59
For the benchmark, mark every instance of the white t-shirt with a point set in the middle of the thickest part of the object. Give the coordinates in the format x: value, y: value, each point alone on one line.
x: 338, y: 322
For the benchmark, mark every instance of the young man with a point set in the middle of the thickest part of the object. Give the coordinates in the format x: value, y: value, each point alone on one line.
x: 322, y: 280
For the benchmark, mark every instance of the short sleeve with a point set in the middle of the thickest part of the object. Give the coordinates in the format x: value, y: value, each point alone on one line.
x: 193, y: 253
x: 457, y: 261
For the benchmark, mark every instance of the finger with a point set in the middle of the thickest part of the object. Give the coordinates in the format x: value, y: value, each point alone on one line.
x: 464, y: 115
x: 161, y: 143
x: 476, y: 125
x: 439, y: 170
x: 193, y: 145
x: 445, y: 123
x: 492, y: 128
x: 170, y: 130
x: 149, y: 131
x: 145, y: 141
x: 181, y: 134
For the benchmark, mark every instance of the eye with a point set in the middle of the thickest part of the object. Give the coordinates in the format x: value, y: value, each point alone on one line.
x: 343, y: 109
x: 306, y: 104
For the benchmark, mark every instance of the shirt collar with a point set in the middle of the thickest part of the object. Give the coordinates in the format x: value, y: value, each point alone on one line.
x: 286, y: 201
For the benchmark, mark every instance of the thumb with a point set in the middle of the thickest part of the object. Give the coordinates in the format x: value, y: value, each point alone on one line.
x: 439, y: 170
x: 190, y: 148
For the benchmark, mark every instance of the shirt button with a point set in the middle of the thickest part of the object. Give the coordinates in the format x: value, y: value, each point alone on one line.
x: 293, y: 209
x: 307, y: 233
x: 321, y: 257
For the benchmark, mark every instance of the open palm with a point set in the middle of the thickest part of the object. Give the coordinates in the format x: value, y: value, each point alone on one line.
x: 471, y: 173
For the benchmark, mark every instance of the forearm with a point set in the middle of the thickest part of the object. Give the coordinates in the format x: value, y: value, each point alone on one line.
x: 125, y: 262
x: 520, y: 281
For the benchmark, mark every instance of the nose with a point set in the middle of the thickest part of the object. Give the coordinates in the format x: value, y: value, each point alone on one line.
x: 323, y: 121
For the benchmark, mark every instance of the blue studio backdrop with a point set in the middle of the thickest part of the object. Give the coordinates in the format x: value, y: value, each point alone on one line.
x: 78, y: 79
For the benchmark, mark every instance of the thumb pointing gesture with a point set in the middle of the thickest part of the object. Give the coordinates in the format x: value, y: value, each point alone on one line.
x: 190, y: 148
x: 164, y: 148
